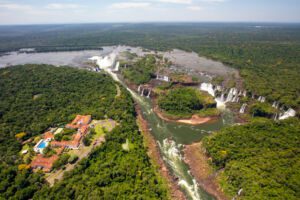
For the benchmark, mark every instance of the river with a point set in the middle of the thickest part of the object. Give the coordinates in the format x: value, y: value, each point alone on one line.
x: 170, y: 136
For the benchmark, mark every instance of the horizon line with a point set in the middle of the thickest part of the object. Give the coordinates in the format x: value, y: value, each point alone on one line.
x: 154, y: 22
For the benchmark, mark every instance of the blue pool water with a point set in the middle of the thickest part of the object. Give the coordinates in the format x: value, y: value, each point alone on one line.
x: 42, y: 145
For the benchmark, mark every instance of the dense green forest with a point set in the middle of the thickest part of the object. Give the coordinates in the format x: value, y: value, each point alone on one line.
x: 262, y: 158
x: 35, y: 97
x: 185, y: 101
x: 267, y: 55
x: 142, y: 71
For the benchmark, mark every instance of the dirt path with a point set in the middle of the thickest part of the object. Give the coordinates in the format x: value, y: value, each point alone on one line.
x: 195, y: 157
x: 156, y: 160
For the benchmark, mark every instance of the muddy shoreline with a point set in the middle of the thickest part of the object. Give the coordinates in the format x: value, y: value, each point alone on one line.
x: 194, y: 120
x: 156, y: 159
x: 195, y: 157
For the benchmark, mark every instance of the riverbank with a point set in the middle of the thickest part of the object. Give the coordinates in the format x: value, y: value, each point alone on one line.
x: 198, y: 162
x: 194, y: 120
x: 157, y: 161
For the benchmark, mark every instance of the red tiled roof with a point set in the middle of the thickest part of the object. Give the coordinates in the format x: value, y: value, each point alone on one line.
x: 48, y: 135
x: 79, y: 121
x: 73, y: 143
x: 45, y: 163
x: 84, y: 129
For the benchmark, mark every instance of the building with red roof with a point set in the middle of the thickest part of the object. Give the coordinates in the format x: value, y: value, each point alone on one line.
x: 48, y: 136
x: 45, y: 164
x: 83, y: 130
x: 72, y: 144
x: 80, y: 120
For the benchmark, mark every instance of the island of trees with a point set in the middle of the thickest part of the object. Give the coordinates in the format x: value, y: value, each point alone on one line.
x: 184, y: 102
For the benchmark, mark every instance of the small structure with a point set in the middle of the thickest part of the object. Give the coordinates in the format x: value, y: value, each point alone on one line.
x: 163, y: 78
x: 58, y: 131
x: 48, y: 136
x: 44, y: 163
x: 79, y: 121
x: 24, y: 151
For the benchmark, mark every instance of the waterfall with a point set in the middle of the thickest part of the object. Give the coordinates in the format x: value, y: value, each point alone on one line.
x: 287, y: 114
x: 219, y: 88
x: 242, y: 110
x: 117, y: 67
x: 275, y: 104
x: 170, y: 151
x: 275, y: 116
x: 231, y: 97
x: 245, y: 93
x: 223, y: 97
x: 261, y: 99
x: 149, y: 93
x: 139, y: 88
x: 208, y: 87
x: 142, y: 93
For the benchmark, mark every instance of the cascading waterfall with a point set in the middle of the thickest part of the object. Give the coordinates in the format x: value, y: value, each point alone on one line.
x: 139, y: 88
x: 276, y: 116
x: 149, y: 93
x: 261, y: 99
x: 275, y: 104
x: 170, y: 151
x: 142, y: 93
x: 208, y: 87
x: 287, y: 114
x: 117, y: 67
x: 232, y: 95
x: 242, y: 110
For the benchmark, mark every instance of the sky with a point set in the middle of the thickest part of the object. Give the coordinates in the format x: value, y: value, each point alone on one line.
x: 94, y: 11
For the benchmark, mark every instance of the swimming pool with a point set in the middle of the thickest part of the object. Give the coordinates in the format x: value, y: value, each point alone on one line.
x: 42, y: 144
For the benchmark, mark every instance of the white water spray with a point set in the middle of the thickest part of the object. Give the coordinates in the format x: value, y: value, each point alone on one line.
x: 243, y: 108
x: 172, y: 156
x: 287, y: 114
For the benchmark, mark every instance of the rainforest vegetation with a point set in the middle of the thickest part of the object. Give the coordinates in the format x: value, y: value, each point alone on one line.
x: 267, y: 55
x: 142, y: 71
x: 35, y: 97
x: 261, y: 158
x: 185, y: 101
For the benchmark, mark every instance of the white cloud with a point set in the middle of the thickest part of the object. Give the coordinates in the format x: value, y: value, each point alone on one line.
x: 128, y: 5
x: 16, y: 7
x: 194, y: 8
x: 176, y: 1
x: 61, y: 6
